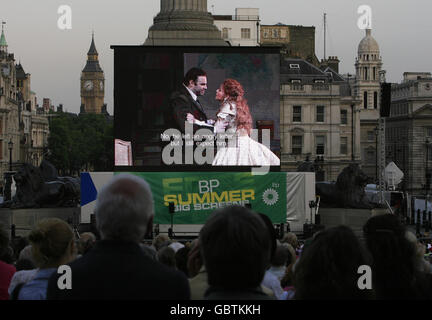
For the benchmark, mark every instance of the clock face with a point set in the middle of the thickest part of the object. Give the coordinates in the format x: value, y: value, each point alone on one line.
x: 88, y: 85
x: 5, y: 70
x: 101, y: 85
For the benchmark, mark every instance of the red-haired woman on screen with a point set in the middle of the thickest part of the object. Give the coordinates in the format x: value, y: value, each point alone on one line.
x: 241, y: 149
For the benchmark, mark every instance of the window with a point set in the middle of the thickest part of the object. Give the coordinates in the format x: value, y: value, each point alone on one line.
x: 344, y: 117
x: 297, y: 144
x: 295, y: 81
x: 374, y: 73
x: 365, y: 99
x: 245, y: 33
x: 371, y: 135
x: 375, y: 100
x: 318, y: 81
x: 320, y: 144
x: 365, y: 73
x: 344, y: 145
x: 294, y: 66
x: 297, y: 116
x: 320, y: 114
x: 225, y: 33
x: 370, y: 156
x: 429, y: 131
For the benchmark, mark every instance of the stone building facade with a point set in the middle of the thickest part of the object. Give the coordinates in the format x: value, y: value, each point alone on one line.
x: 409, y: 128
x: 20, y: 126
x: 319, y: 119
x: 367, y: 87
x: 296, y: 41
x: 242, y: 29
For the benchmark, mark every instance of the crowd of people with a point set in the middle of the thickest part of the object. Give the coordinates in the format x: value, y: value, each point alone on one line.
x: 237, y: 256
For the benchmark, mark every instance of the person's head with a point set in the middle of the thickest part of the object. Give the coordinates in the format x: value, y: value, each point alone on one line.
x: 394, y: 256
x: 272, y: 233
x: 232, y: 91
x: 196, y: 80
x: 161, y: 240
x: 328, y: 267
x: 290, y: 238
x: 86, y: 242
x: 4, y: 241
x: 26, y: 254
x: 235, y: 247
x: 166, y: 256
x: 148, y: 251
x: 194, y: 262
x: 124, y: 209
x: 281, y: 256
x: 181, y: 257
x: 52, y: 243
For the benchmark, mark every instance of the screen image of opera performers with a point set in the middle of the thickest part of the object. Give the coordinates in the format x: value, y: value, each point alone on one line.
x: 213, y: 109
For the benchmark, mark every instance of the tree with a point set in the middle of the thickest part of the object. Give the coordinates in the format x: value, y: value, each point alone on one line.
x: 81, y: 143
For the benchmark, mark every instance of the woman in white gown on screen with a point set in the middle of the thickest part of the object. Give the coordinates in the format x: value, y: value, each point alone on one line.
x: 241, y: 149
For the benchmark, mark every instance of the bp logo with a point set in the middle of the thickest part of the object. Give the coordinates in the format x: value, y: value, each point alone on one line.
x: 270, y: 197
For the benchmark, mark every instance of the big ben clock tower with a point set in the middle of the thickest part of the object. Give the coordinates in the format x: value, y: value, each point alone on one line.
x: 92, y: 84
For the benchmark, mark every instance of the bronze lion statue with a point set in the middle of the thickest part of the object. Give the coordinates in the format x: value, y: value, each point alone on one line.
x: 34, y: 191
x: 347, y: 192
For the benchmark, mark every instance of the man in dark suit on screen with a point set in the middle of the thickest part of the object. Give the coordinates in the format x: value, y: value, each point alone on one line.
x: 186, y: 101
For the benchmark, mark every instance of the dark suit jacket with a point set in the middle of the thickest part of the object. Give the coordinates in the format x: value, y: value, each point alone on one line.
x: 120, y: 270
x: 182, y: 103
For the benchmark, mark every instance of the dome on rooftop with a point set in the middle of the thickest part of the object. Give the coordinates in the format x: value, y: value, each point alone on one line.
x: 368, y: 44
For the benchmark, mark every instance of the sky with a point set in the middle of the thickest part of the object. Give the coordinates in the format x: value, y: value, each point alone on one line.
x: 55, y: 57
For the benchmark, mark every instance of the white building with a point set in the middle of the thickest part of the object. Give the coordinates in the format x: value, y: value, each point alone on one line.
x: 319, y: 121
x: 241, y: 29
x: 367, y: 88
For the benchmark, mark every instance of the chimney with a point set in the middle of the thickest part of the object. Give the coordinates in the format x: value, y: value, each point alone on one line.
x: 333, y: 62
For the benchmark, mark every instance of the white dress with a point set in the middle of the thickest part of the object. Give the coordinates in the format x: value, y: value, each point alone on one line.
x: 241, y: 150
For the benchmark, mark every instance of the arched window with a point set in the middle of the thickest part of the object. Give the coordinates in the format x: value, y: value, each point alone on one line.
x: 365, y: 98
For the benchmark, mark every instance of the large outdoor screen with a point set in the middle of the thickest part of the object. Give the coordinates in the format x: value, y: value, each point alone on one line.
x: 196, y: 108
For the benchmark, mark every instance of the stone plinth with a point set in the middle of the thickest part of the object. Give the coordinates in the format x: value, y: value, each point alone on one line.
x: 353, y: 218
x: 26, y: 219
x: 183, y: 23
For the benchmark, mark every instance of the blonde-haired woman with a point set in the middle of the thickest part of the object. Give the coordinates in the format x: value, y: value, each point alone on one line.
x: 52, y: 246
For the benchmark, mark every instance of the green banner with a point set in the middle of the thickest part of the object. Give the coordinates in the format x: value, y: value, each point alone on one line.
x: 197, y: 194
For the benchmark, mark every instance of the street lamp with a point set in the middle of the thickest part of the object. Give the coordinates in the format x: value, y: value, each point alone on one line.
x: 376, y: 130
x: 10, y: 147
x: 428, y: 175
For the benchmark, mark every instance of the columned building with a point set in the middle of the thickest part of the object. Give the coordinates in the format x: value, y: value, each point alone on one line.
x: 319, y: 119
x: 409, y: 130
x: 367, y: 87
x: 23, y: 133
x: 241, y: 29
x: 184, y: 22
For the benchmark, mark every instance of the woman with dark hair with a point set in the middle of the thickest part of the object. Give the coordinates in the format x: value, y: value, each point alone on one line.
x: 235, y: 114
x: 328, y: 268
x: 395, y: 264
